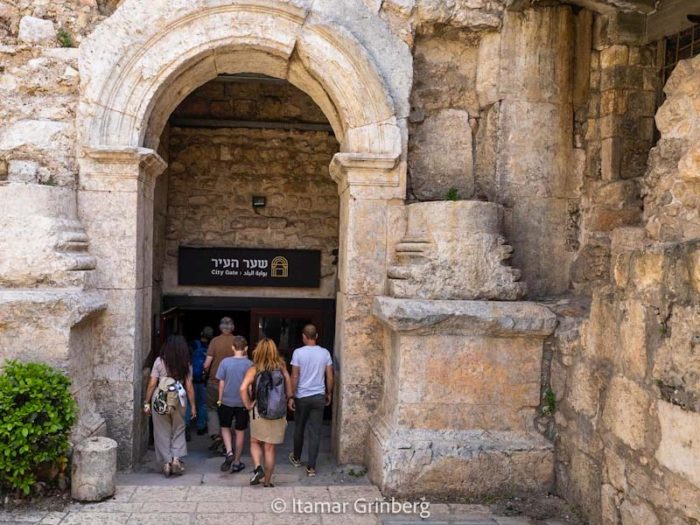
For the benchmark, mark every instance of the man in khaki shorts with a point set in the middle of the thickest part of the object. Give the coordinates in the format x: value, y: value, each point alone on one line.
x: 220, y: 348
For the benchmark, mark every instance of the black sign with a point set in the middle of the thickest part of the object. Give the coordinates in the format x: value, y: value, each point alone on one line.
x: 249, y: 267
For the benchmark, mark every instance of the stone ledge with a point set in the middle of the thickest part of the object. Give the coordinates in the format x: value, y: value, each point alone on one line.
x: 79, y: 303
x: 448, y: 317
x: 461, y: 463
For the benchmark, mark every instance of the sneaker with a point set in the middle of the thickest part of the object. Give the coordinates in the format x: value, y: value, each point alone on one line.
x: 310, y: 472
x: 237, y: 467
x: 294, y: 461
x: 258, y: 474
x: 226, y: 465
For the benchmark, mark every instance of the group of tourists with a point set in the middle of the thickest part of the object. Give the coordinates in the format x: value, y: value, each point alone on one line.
x: 225, y: 391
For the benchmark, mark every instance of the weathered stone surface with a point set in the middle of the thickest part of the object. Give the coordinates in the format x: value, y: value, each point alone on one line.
x: 487, y: 73
x: 415, y: 463
x: 501, y: 393
x: 34, y: 30
x: 632, y: 514
x: 626, y: 412
x: 41, y: 229
x: 465, y: 317
x: 671, y: 201
x: 94, y: 469
x: 494, y: 401
x: 679, y: 449
x: 584, y: 390
x: 467, y: 14
x: 32, y: 133
x: 55, y: 326
x: 454, y: 250
x: 675, y: 363
x: 441, y: 156
x: 22, y: 171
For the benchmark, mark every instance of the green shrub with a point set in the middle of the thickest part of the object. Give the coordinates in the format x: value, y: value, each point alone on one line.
x: 452, y: 194
x: 37, y: 412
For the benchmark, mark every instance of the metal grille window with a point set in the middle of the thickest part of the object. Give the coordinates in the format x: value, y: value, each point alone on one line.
x: 680, y: 46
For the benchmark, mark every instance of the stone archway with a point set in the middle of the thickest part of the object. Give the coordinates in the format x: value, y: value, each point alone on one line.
x: 133, y: 81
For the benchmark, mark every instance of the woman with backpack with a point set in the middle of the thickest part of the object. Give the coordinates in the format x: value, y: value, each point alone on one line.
x: 168, y: 389
x: 265, y: 390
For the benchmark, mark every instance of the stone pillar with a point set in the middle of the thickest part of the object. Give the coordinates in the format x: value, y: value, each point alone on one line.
x: 372, y: 193
x: 534, y: 176
x: 115, y: 202
x: 461, y: 377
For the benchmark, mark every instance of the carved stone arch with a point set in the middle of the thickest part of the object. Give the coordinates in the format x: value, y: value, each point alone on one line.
x: 129, y: 105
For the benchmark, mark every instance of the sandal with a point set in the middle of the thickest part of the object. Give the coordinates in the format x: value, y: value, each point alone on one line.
x: 178, y: 468
x: 167, y: 470
x: 271, y: 485
x: 216, y: 443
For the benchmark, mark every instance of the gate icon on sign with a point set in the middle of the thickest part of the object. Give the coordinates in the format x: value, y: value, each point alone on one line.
x: 279, y: 267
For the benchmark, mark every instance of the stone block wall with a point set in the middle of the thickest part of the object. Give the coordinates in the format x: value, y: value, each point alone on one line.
x: 214, y: 173
x: 39, y: 87
x: 626, y: 375
x: 614, y: 130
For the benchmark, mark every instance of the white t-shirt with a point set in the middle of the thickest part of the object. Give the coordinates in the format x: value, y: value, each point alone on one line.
x: 312, y: 361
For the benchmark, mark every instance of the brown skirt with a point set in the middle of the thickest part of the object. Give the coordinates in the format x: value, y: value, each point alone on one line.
x: 267, y: 430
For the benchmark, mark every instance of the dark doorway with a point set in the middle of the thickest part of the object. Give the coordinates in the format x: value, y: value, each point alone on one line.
x: 194, y: 320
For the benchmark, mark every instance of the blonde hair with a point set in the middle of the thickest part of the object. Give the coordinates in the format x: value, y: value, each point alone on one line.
x: 266, y: 357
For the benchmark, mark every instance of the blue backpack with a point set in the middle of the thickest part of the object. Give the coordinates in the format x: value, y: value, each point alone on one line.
x: 198, y: 357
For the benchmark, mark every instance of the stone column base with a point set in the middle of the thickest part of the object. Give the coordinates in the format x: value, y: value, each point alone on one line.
x: 414, y: 463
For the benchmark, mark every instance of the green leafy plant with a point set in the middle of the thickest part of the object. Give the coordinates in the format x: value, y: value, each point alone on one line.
x: 49, y: 182
x: 37, y: 412
x: 65, y: 39
x: 452, y: 194
x: 550, y: 402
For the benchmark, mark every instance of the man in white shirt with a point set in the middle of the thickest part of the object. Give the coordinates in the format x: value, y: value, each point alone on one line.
x: 312, y: 384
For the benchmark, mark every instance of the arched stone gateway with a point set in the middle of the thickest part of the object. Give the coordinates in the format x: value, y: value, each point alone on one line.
x: 136, y: 68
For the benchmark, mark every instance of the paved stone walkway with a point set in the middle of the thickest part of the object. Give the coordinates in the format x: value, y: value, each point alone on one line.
x: 252, y: 506
x: 205, y: 495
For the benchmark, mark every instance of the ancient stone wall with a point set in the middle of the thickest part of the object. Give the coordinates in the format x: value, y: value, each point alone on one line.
x: 39, y: 87
x: 614, y: 129
x: 204, y: 198
x: 626, y: 376
x: 495, y: 124
x: 212, y: 177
